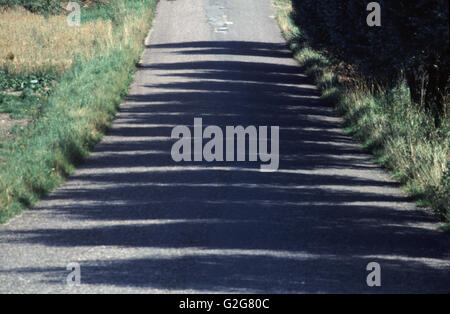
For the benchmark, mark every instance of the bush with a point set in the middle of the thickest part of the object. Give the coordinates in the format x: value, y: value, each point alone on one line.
x: 35, y: 6
x: 412, y: 44
x: 401, y: 134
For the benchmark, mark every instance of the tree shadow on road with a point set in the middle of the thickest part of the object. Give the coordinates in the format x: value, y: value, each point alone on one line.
x: 310, y: 227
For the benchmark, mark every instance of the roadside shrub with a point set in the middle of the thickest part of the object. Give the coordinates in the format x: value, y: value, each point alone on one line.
x: 35, y: 6
x: 373, y: 81
x: 412, y: 44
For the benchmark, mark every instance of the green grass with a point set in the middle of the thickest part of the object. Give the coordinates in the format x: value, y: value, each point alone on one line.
x: 33, y: 91
x: 402, y: 137
x: 101, y: 11
x: 19, y: 107
x: 74, y: 117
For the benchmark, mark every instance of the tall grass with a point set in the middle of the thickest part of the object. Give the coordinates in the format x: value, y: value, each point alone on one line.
x: 402, y: 136
x: 76, y: 114
x: 33, y: 43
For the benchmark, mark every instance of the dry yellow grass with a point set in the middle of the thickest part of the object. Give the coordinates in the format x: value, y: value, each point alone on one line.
x: 30, y: 42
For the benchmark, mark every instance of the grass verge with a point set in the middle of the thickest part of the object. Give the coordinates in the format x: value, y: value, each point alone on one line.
x: 77, y: 111
x: 402, y: 137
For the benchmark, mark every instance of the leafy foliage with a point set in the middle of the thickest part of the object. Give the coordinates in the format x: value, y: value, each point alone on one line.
x: 34, y: 82
x: 35, y: 6
x: 412, y: 43
x: 402, y: 135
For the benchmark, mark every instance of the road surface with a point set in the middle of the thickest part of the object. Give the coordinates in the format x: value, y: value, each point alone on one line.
x: 136, y: 221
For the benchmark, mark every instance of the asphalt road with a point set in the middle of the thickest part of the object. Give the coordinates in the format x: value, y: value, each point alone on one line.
x: 136, y: 221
